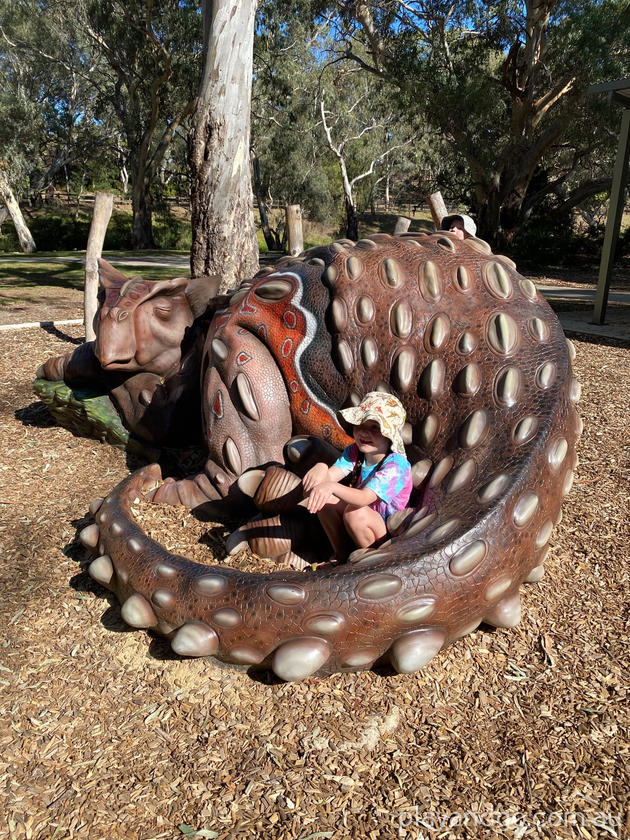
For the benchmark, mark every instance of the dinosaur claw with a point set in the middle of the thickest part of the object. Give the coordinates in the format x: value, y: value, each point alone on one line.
x: 94, y: 506
x: 235, y: 542
x: 250, y: 481
x: 279, y: 491
x: 166, y: 493
x: 297, y: 448
x: 89, y: 535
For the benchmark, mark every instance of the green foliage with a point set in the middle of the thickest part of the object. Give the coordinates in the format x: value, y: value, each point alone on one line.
x: 171, y: 232
x: 76, y: 108
x: 58, y: 230
x: 548, y: 236
x: 294, y: 164
x: 49, y: 125
x: 503, y: 85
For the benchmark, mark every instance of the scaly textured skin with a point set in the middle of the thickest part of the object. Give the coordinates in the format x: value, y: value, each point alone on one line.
x: 484, y: 370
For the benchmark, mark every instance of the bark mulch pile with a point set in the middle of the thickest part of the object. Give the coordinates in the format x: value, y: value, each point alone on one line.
x: 104, y: 733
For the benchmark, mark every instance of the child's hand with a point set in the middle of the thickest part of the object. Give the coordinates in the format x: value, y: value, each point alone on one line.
x: 314, y: 476
x: 320, y: 495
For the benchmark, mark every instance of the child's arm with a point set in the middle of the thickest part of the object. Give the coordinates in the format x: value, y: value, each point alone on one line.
x: 324, y: 492
x: 319, y: 473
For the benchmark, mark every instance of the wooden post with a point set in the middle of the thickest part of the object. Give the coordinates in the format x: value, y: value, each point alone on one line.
x: 103, y: 206
x: 295, y: 235
x: 437, y: 208
x: 613, y: 222
x: 402, y: 225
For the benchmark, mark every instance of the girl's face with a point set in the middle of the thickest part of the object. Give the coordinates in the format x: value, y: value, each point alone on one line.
x: 457, y: 227
x: 370, y: 440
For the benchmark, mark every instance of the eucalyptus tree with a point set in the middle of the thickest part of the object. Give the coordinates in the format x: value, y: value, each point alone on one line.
x: 291, y: 163
x: 326, y: 134
x: 362, y: 131
x: 18, y: 141
x: 151, y: 57
x: 501, y: 82
x: 47, y: 106
x: 224, y: 237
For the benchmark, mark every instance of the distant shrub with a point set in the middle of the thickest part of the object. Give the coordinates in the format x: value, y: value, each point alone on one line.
x: 547, y: 236
x: 118, y: 236
x: 60, y: 231
x: 171, y: 232
x: 8, y: 238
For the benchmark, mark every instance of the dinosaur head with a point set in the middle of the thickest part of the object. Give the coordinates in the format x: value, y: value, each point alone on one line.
x: 140, y: 323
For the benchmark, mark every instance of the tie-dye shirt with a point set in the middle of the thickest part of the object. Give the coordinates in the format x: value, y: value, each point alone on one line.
x: 390, y: 479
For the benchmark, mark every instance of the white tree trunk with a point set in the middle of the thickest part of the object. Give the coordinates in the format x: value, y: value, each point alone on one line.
x: 103, y: 206
x: 27, y: 243
x: 223, y: 232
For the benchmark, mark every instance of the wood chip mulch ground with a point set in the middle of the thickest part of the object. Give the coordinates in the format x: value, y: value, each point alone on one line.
x: 104, y: 733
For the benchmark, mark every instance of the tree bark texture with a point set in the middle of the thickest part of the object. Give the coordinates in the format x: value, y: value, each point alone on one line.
x: 271, y: 237
x: 142, y: 228
x: 223, y: 233
x: 352, y: 220
x: 103, y: 206
x: 27, y: 243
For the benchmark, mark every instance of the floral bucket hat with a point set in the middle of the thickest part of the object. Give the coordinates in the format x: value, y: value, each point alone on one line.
x: 388, y: 412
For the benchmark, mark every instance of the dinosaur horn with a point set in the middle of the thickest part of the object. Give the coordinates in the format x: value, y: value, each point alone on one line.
x: 109, y: 276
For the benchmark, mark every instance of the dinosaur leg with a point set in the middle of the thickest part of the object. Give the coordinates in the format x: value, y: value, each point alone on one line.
x: 246, y: 418
x: 277, y: 489
x: 286, y: 538
x: 273, y: 490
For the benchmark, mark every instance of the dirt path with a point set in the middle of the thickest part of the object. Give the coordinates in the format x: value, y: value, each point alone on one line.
x: 106, y: 734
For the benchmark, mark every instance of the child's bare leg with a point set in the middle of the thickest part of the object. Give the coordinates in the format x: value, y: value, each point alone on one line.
x: 365, y: 526
x: 331, y: 517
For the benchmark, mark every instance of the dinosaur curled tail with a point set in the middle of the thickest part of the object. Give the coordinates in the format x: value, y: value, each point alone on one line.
x: 484, y: 370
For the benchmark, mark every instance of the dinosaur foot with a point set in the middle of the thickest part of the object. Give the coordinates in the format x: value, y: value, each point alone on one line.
x: 280, y: 537
x: 274, y: 490
x: 195, y: 492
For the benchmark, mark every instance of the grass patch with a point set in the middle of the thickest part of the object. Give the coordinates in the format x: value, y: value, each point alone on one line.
x: 31, y: 273
x: 110, y: 255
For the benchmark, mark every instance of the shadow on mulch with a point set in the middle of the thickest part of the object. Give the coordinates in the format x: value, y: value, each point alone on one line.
x: 36, y: 414
x: 51, y: 329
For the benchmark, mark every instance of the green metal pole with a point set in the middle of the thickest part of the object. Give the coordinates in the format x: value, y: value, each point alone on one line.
x: 613, y: 221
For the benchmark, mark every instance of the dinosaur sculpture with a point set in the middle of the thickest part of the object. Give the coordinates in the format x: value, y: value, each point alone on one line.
x: 484, y: 370
x: 147, y: 352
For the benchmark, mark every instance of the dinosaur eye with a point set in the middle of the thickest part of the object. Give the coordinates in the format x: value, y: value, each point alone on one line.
x: 163, y: 312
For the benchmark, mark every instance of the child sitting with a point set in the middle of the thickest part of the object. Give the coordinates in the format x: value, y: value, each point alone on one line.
x: 380, y: 477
